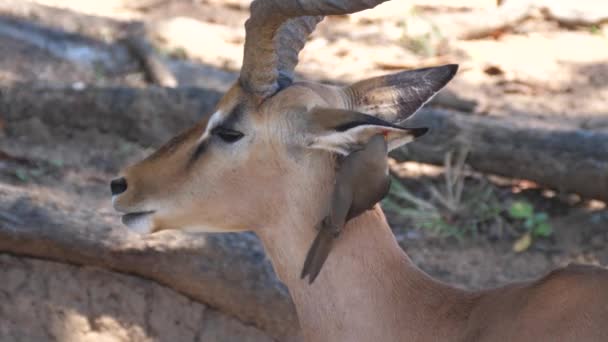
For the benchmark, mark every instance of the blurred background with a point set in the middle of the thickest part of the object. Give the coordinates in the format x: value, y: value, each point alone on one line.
x: 511, y: 182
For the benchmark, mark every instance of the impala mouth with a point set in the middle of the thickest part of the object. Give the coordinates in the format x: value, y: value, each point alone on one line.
x: 139, y: 222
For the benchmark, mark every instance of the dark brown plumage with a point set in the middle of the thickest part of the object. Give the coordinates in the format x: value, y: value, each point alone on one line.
x: 362, y: 181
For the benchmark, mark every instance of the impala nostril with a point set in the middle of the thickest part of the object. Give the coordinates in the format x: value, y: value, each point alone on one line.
x: 118, y: 186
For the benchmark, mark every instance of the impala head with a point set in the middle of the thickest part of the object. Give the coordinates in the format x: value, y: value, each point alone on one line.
x: 269, y: 147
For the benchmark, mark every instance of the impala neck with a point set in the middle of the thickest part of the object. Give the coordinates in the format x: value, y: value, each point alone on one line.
x: 368, y: 289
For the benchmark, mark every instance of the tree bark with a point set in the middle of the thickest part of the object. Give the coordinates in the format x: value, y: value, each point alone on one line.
x: 152, y: 62
x: 145, y: 116
x: 560, y: 157
x: 229, y: 271
x: 225, y: 271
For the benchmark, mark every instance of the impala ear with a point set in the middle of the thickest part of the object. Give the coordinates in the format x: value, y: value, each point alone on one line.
x: 396, y: 97
x: 345, y: 131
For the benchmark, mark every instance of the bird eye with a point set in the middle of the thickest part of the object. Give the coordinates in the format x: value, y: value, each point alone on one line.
x: 226, y: 134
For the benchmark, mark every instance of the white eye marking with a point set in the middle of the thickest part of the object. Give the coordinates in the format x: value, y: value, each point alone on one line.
x: 214, y: 121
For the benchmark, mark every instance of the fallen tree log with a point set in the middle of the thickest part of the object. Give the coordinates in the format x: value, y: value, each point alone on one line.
x: 225, y: 271
x: 560, y: 157
x: 83, y: 303
x: 152, y: 62
x: 84, y: 39
x: 78, y: 49
x: 147, y: 116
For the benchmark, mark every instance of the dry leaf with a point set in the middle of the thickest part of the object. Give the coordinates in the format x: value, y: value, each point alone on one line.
x: 523, y: 243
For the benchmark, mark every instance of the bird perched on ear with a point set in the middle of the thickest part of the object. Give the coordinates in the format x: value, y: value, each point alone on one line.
x: 362, y: 180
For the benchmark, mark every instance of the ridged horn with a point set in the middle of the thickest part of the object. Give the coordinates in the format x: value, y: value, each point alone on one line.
x: 276, y: 31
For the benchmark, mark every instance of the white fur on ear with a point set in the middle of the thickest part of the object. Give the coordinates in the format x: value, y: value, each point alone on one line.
x: 398, y: 96
x: 345, y: 142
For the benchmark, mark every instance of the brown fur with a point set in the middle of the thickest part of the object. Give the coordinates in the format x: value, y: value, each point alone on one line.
x: 369, y: 290
x: 185, y: 195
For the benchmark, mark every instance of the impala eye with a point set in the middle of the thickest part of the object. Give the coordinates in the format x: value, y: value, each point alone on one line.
x: 226, y: 134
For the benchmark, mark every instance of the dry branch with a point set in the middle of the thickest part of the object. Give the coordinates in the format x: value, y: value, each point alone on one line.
x: 154, y: 65
x: 74, y: 47
x: 141, y: 115
x: 226, y: 271
x: 85, y: 39
x: 563, y: 158
x: 241, y: 284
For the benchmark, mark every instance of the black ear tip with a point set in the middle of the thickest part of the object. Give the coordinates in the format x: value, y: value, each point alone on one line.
x: 452, y: 67
x: 449, y: 69
x: 418, y: 132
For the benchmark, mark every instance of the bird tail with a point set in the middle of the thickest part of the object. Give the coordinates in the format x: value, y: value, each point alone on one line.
x: 318, y: 252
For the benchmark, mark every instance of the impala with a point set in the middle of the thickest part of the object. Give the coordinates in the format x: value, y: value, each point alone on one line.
x: 265, y: 161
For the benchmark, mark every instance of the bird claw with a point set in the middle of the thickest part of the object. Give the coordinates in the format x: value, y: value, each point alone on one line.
x: 328, y: 225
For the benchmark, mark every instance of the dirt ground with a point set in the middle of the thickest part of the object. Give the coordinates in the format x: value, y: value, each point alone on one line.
x: 52, y: 301
x: 538, y: 69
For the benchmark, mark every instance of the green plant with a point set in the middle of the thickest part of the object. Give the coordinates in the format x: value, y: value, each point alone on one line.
x: 22, y: 174
x: 452, y: 210
x: 25, y: 174
x: 424, y: 214
x: 536, y: 224
x: 99, y: 71
x: 58, y: 163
